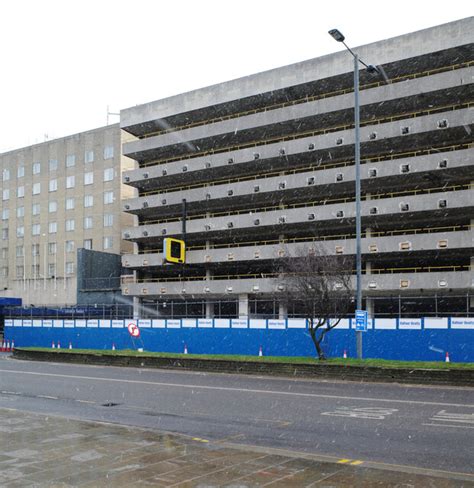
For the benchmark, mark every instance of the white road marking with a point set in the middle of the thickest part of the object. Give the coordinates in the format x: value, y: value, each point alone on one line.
x: 372, y: 413
x: 239, y: 390
x: 450, y: 425
x: 48, y: 397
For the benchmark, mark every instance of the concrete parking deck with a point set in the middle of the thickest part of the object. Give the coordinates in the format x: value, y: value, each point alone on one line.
x: 38, y: 450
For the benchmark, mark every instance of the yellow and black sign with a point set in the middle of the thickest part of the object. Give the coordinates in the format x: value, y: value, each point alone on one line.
x: 174, y: 250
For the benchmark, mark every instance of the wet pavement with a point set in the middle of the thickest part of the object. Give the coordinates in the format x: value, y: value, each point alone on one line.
x: 39, y: 450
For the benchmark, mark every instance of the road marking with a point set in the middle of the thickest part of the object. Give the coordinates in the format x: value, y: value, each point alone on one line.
x: 344, y: 461
x: 450, y: 425
x: 372, y: 413
x: 48, y: 397
x: 443, y: 416
x: 199, y: 439
x: 356, y: 463
x: 239, y: 390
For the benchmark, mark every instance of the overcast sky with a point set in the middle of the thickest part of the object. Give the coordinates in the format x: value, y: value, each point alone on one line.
x: 63, y: 62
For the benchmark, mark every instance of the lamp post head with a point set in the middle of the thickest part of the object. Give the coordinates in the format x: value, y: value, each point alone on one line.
x: 372, y: 69
x: 337, y: 35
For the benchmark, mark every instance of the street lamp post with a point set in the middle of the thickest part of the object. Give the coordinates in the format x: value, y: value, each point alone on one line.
x: 339, y: 37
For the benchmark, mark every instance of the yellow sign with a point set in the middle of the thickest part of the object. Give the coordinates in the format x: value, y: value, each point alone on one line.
x: 174, y: 250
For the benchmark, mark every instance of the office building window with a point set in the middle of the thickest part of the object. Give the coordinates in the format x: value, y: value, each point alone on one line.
x: 69, y: 246
x: 108, y: 174
x: 52, y: 248
x: 20, y: 212
x: 6, y: 174
x: 4, y: 253
x: 108, y: 197
x: 51, y: 270
x: 36, y: 168
x: 53, y: 206
x: 20, y: 251
x: 108, y: 152
x: 88, y: 200
x: 88, y: 244
x: 35, y: 249
x: 70, y: 181
x: 20, y: 172
x: 53, y: 185
x: 70, y: 225
x: 35, y: 209
x: 20, y: 272
x: 88, y: 223
x: 20, y: 231
x: 108, y: 220
x: 89, y: 157
x: 4, y: 234
x: 69, y: 267
x: 5, y: 214
x: 35, y: 230
x: 6, y: 194
x: 108, y: 242
x: 69, y: 203
x: 52, y: 227
x: 4, y: 272
x: 35, y: 270
x: 88, y: 178
x: 36, y: 188
x: 70, y: 160
x: 20, y: 192
x: 53, y: 164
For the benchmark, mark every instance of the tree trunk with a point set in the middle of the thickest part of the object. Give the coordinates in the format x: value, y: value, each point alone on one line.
x: 317, y: 342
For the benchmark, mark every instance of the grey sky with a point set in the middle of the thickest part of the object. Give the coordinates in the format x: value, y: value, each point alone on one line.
x: 64, y: 62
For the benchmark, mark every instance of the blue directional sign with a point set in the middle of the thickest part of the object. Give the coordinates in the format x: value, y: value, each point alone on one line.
x: 361, y: 320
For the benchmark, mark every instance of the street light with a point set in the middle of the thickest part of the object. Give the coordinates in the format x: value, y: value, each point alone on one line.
x: 339, y: 37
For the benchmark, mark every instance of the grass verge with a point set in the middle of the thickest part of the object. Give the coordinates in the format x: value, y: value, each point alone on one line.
x: 380, y: 363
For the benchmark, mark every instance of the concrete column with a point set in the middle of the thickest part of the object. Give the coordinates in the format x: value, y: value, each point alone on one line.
x: 370, y: 307
x: 282, y: 310
x: 209, y: 309
x: 136, y: 307
x: 243, y: 305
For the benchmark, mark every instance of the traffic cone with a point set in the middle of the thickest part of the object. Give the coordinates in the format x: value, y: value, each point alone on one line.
x: 260, y: 352
x: 52, y: 345
x: 185, y: 349
x: 4, y: 346
x: 70, y: 345
x: 345, y: 354
x: 113, y: 346
x: 59, y: 345
x: 447, y: 357
x: 8, y: 346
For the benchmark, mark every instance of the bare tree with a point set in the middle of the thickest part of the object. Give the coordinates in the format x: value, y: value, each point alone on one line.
x: 318, y: 285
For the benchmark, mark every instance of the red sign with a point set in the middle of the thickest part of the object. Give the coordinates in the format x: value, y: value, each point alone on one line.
x: 133, y: 329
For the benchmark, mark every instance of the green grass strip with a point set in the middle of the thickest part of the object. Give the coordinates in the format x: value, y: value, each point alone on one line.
x: 380, y: 363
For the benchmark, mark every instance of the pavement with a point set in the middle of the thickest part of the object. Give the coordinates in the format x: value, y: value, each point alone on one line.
x: 49, y: 451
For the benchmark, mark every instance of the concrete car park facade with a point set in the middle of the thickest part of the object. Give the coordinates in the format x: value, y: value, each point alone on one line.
x: 265, y: 165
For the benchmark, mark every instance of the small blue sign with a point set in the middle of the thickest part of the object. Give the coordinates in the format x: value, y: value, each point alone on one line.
x: 361, y: 320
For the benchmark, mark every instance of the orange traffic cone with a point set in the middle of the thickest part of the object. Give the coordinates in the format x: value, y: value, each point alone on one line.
x: 70, y: 345
x: 447, y: 357
x: 4, y: 346
x: 260, y: 352
x: 185, y: 349
x: 345, y: 354
x: 8, y: 346
x: 52, y: 345
x: 113, y: 346
x: 59, y: 345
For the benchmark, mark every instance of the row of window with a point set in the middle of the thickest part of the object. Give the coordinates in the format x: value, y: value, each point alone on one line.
x: 53, y: 164
x: 53, y: 184
x: 53, y: 207
x: 35, y: 271
x: 70, y: 225
x: 36, y: 190
x: 52, y: 247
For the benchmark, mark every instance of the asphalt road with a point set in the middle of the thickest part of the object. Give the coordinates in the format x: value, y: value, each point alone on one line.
x: 425, y: 427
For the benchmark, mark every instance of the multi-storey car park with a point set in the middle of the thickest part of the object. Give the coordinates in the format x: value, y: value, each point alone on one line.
x: 265, y: 165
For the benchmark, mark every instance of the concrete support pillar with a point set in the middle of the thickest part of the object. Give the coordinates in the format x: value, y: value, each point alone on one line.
x: 209, y: 309
x: 243, y: 305
x: 282, y: 310
x: 136, y: 307
x: 370, y: 307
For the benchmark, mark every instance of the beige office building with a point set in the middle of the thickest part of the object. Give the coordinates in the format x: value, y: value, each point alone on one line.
x: 56, y: 197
